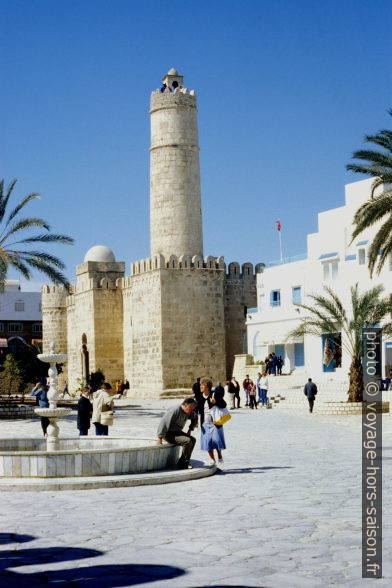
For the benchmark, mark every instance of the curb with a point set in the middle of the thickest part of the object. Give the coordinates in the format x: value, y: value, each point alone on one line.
x: 120, y: 481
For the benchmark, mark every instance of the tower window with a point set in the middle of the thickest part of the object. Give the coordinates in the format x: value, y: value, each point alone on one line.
x: 361, y: 256
x: 19, y: 306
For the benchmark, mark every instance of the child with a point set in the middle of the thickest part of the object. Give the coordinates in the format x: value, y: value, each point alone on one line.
x: 252, y: 396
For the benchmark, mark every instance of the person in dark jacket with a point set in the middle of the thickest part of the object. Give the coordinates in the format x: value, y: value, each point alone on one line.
x: 40, y: 391
x: 310, y: 391
x: 85, y: 409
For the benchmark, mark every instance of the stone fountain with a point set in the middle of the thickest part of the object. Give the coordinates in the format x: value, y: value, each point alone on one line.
x: 87, y: 461
x: 53, y: 412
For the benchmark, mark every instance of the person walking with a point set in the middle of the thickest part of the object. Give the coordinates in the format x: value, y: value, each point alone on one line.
x: 103, y: 410
x: 231, y: 393
x: 236, y: 387
x: 40, y: 391
x: 171, y: 427
x: 212, y: 437
x: 263, y: 389
x: 85, y: 409
x: 310, y: 391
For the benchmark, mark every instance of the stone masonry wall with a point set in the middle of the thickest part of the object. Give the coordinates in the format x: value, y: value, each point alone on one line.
x: 240, y: 294
x: 142, y: 332
x: 193, y: 334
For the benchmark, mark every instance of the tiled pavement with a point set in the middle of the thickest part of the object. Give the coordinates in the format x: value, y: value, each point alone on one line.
x: 284, y: 512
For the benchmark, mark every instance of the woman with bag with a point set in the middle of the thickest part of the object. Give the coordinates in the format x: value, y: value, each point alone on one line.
x: 103, y: 410
x: 212, y: 436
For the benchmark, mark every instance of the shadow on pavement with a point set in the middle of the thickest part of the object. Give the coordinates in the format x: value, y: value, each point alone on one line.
x: 255, y: 470
x: 90, y: 576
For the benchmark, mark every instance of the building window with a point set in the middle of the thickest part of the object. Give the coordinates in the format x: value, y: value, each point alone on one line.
x: 1, y: 327
x: 15, y: 327
x: 297, y: 299
x: 40, y: 307
x: 275, y: 298
x: 19, y: 306
x: 361, y: 256
x: 330, y: 270
x: 37, y: 328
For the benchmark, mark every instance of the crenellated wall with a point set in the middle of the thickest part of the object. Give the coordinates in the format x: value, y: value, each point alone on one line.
x: 240, y: 294
x: 95, y: 322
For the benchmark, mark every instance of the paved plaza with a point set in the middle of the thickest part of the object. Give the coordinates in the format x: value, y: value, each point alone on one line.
x: 285, y: 511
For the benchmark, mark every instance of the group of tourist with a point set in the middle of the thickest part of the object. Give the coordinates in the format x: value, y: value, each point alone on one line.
x: 273, y: 364
x: 206, y: 408
x: 260, y: 388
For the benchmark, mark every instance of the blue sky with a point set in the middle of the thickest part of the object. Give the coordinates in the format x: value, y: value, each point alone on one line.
x: 286, y: 92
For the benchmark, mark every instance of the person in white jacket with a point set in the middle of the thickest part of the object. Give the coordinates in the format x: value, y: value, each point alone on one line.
x: 262, y: 385
x: 103, y: 410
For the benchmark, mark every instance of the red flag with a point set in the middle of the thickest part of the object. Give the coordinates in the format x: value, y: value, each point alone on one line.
x: 278, y: 225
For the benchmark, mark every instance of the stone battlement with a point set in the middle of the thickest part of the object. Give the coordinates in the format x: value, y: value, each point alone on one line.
x: 177, y: 262
x: 183, y: 97
x: 54, y: 295
x: 233, y: 270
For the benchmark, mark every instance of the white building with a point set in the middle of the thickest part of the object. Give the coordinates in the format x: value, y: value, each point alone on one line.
x: 332, y: 260
x: 20, y: 316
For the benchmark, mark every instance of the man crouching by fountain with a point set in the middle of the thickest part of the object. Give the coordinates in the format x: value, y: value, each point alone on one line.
x: 170, y: 429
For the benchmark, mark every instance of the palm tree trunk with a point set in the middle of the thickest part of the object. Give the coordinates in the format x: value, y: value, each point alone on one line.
x: 355, y: 391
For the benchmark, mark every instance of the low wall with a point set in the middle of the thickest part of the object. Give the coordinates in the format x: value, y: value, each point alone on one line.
x: 348, y: 408
x: 28, y: 458
x: 17, y: 411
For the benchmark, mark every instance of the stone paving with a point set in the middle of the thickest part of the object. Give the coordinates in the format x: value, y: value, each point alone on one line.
x: 284, y: 512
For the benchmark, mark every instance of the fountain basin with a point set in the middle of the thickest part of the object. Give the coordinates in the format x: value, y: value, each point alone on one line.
x: 83, y: 457
x: 52, y: 412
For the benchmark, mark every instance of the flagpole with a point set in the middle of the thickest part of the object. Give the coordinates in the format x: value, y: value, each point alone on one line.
x: 280, y: 246
x: 279, y: 227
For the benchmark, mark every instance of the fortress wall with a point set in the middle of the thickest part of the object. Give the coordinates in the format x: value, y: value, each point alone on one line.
x: 240, y: 294
x: 193, y: 334
x: 142, y: 333
x: 108, y: 328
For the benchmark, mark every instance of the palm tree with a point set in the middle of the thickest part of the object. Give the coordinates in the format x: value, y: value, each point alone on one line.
x: 326, y: 315
x: 379, y: 207
x: 13, y: 240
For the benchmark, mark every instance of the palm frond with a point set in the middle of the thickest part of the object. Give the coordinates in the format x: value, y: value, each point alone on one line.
x: 380, y: 241
x: 5, y: 196
x: 45, y: 238
x: 51, y: 272
x: 40, y: 255
x: 22, y: 225
x: 22, y: 204
x: 372, y: 212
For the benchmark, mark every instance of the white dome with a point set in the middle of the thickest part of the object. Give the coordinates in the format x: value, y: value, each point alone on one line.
x: 99, y: 253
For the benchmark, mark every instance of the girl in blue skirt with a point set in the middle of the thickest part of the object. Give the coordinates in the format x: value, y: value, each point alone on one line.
x: 212, y: 436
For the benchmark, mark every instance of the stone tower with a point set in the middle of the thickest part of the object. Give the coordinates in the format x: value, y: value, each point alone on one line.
x: 175, y: 201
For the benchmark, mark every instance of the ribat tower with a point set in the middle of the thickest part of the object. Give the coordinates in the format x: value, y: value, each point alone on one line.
x: 175, y: 201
